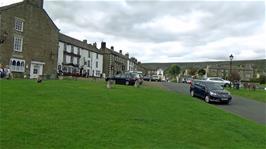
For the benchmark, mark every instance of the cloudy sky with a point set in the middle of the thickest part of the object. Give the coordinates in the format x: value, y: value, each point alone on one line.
x: 166, y: 31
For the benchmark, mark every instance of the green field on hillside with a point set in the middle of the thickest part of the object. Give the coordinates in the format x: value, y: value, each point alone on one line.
x: 85, y: 114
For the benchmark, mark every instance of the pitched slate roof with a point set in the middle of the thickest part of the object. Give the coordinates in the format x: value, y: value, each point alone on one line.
x: 70, y: 40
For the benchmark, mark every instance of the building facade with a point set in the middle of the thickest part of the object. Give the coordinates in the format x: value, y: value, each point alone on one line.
x: 78, y: 57
x: 31, y: 39
x: 113, y: 62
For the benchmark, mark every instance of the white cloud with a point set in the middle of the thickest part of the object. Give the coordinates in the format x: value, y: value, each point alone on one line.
x: 171, y: 31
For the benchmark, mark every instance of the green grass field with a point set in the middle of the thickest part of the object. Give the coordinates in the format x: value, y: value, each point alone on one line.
x: 84, y: 114
x: 259, y: 95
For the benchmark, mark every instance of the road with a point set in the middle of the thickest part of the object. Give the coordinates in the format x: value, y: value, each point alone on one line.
x: 246, y: 108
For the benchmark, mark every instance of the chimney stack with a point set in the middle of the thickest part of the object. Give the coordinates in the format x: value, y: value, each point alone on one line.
x: 95, y: 44
x: 38, y: 3
x: 103, y: 45
x: 85, y: 41
x: 112, y: 48
x: 127, y: 55
x: 120, y: 51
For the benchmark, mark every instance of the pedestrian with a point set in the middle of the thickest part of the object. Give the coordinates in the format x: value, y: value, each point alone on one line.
x: 8, y: 72
x: 1, y: 71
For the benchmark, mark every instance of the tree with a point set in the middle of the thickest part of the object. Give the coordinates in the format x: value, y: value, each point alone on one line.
x: 192, y: 71
x: 173, y: 70
x: 202, y: 72
x: 235, y: 76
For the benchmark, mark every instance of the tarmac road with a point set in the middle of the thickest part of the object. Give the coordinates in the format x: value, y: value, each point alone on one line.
x: 246, y: 108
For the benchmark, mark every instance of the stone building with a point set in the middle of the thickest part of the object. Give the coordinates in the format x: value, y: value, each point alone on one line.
x: 77, y: 57
x: 113, y: 62
x: 31, y: 39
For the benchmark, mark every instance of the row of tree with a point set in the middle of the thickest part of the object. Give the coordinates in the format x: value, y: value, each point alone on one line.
x: 174, y: 70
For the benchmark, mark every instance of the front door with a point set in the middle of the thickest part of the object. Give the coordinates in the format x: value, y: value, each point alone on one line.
x: 36, y: 69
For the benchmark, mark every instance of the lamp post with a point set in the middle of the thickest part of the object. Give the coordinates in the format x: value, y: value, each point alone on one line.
x: 230, y: 71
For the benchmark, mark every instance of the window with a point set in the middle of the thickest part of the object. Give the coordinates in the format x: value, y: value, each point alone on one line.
x: 17, y: 65
x: 89, y: 54
x: 68, y: 59
x: 75, y: 60
x: 18, y: 41
x: 96, y: 64
x: 19, y: 24
x: 89, y: 63
x: 35, y: 69
x: 97, y: 56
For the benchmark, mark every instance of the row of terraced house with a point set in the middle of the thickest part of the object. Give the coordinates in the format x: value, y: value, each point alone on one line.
x: 32, y: 45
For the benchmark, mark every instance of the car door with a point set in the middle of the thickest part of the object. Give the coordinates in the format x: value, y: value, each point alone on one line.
x: 201, y: 90
x: 122, y: 79
x: 117, y: 79
x: 196, y: 88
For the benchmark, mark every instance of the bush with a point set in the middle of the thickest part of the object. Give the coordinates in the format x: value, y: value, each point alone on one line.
x: 262, y: 79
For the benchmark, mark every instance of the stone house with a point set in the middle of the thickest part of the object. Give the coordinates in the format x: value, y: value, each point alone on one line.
x: 77, y: 57
x: 113, y: 62
x: 31, y: 39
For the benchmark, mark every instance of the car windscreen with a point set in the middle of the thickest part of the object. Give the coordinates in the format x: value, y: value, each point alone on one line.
x: 213, y: 86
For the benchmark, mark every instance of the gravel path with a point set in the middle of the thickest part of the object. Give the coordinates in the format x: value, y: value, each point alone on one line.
x: 247, y: 108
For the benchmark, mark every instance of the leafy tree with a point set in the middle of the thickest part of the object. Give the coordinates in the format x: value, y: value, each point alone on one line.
x: 192, y: 71
x: 235, y: 76
x: 202, y: 72
x: 173, y: 70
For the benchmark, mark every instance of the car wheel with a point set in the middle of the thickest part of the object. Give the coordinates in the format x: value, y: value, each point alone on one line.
x: 226, y: 85
x: 207, y: 99
x: 127, y: 82
x: 228, y: 102
x: 192, y: 93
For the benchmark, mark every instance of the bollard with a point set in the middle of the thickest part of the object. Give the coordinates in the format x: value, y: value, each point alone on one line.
x: 109, y: 84
x: 137, y: 82
x: 39, y: 79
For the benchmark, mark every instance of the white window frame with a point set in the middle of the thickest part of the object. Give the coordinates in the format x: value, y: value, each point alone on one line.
x: 22, y: 24
x: 21, y: 43
x: 15, y: 68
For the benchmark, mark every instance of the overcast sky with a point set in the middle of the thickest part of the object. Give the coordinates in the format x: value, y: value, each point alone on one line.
x: 171, y: 31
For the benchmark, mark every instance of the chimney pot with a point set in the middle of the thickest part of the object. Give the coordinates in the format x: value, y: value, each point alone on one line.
x: 112, y: 47
x: 103, y: 45
x: 120, y: 51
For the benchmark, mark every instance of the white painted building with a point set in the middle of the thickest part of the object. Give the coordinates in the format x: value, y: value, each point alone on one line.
x: 160, y: 73
x: 131, y: 64
x: 78, y: 58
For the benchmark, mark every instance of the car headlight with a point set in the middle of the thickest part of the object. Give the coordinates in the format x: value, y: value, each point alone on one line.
x: 213, y: 94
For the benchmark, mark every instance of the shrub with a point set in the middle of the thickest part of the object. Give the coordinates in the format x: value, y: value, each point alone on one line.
x: 262, y: 79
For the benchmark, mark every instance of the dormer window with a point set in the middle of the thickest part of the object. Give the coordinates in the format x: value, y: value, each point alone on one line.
x: 19, y: 24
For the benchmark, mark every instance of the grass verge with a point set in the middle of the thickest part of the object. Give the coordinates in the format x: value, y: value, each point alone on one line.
x: 84, y: 114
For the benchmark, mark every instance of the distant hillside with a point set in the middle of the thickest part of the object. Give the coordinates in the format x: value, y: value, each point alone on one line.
x: 259, y: 64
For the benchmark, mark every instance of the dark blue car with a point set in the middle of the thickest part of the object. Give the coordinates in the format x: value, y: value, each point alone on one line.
x: 210, y: 92
x: 124, y: 78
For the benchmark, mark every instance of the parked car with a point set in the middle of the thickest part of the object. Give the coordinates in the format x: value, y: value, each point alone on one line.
x: 147, y: 78
x: 155, y: 78
x: 219, y: 81
x: 138, y: 74
x: 210, y: 92
x: 124, y: 78
x: 187, y: 80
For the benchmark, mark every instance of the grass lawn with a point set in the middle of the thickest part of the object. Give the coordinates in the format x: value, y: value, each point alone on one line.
x: 259, y: 94
x: 84, y: 114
